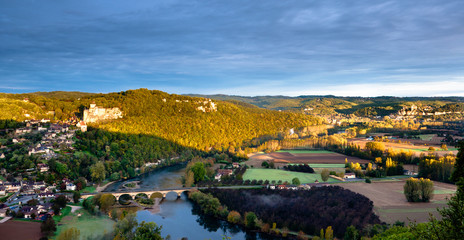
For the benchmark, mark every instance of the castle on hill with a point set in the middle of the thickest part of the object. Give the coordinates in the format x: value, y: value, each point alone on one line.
x: 95, y: 113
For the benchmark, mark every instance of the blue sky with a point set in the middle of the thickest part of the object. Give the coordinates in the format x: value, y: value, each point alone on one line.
x: 281, y: 47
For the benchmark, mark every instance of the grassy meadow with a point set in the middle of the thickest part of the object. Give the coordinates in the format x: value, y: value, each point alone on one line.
x: 276, y: 175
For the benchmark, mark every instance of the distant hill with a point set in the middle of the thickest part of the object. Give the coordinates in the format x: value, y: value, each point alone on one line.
x: 321, y: 105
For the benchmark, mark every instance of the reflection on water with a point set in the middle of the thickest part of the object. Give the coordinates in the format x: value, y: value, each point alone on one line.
x: 165, y: 178
x: 180, y: 218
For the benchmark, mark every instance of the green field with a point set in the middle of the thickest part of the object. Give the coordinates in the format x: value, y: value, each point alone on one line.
x: 91, y: 227
x: 64, y: 212
x: 305, y: 151
x: 426, y: 137
x: 89, y: 189
x: 276, y: 175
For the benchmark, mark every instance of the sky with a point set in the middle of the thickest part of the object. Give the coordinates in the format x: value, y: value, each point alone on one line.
x: 249, y: 48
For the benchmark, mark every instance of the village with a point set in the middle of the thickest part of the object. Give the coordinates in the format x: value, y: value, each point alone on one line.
x: 22, y: 196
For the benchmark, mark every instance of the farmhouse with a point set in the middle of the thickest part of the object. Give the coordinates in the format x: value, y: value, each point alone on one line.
x: 350, y: 175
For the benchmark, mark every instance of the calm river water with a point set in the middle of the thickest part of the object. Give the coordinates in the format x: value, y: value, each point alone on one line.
x: 179, y: 217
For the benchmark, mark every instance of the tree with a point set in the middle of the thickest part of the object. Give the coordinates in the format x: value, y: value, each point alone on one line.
x: 351, y: 233
x: 426, y: 189
x: 33, y: 202
x: 296, y: 181
x: 69, y: 234
x: 234, y: 217
x: 444, y: 147
x: 124, y: 229
x: 459, y: 164
x: 148, y: 231
x: 329, y: 233
x: 412, y: 190
x: 106, y: 201
x: 61, y: 201
x: 76, y: 196
x: 48, y: 227
x: 199, y: 171
x: 452, y: 223
x: 189, y: 179
x: 325, y: 175
x: 250, y: 220
x: 265, y: 164
x: 418, y: 190
x: 97, y: 172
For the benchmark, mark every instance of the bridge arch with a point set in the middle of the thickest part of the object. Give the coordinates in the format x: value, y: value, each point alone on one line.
x: 140, y: 195
x: 157, y: 195
x: 125, y: 198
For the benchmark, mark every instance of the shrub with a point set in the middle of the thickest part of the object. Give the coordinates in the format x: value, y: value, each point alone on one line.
x: 325, y: 175
x: 234, y: 217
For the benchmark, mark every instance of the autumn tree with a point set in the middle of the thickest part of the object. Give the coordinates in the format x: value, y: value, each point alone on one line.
x: 329, y: 233
x: 234, y: 217
x: 106, y: 201
x: 418, y: 190
x: 97, y: 172
x: 69, y: 234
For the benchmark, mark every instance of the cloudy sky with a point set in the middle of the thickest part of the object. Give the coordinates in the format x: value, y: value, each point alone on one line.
x: 268, y: 47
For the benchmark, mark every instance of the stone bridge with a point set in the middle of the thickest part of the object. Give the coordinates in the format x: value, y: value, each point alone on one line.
x: 148, y: 194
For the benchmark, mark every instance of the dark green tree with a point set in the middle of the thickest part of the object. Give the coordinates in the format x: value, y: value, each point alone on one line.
x: 199, y: 171
x: 48, y: 227
x: 296, y: 181
x: 459, y: 164
x: 250, y: 220
x: 148, y: 231
x: 76, y: 196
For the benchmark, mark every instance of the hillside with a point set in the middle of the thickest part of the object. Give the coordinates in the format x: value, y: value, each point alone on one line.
x: 360, y: 106
x: 189, y: 121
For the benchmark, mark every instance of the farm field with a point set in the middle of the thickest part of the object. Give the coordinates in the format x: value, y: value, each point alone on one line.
x: 20, y: 230
x: 276, y: 175
x: 283, y: 158
x: 391, y: 205
x: 91, y: 227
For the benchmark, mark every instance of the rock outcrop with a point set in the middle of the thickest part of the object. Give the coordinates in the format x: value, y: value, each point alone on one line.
x: 95, y: 114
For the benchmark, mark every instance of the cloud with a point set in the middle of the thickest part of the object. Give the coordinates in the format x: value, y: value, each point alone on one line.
x: 207, y: 45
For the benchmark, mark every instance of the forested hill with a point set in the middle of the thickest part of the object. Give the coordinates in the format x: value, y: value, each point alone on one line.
x: 361, y: 106
x: 181, y: 119
x: 188, y: 121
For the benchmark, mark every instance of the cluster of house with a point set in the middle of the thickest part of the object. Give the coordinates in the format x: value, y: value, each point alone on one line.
x: 226, y: 172
x: 25, y: 187
x: 56, y: 135
x: 41, y: 211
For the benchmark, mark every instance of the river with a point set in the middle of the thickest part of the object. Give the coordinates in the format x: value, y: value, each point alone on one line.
x: 179, y: 217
